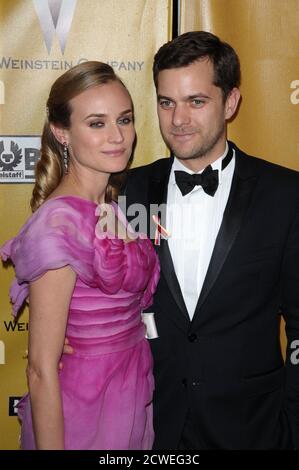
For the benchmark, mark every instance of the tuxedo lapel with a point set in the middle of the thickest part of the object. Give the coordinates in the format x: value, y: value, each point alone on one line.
x: 158, y: 196
x: 243, y: 183
x: 168, y: 271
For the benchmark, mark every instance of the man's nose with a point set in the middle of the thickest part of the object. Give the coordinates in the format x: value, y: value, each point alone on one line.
x: 181, y: 115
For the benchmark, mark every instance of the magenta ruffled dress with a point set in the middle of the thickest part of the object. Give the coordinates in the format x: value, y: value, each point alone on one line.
x: 107, y: 384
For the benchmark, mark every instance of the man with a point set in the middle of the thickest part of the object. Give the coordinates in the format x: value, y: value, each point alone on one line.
x: 228, y: 269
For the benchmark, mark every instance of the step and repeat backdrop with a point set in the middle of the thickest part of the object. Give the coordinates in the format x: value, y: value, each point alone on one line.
x: 40, y: 39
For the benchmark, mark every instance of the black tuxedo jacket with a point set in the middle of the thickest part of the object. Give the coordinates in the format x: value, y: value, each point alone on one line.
x: 225, y: 367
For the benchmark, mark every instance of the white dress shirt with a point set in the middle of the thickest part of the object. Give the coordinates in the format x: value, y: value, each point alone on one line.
x: 194, y: 221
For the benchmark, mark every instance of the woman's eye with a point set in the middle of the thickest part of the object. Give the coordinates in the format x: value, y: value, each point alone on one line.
x: 125, y: 120
x: 96, y: 124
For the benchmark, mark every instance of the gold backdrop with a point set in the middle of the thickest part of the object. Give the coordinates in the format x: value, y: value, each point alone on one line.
x: 39, y: 40
x: 265, y: 34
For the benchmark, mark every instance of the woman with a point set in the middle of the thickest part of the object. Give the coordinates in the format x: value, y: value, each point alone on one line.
x: 88, y: 278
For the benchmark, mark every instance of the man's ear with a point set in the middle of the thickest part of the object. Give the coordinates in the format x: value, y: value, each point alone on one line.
x: 231, y: 103
x: 60, y: 133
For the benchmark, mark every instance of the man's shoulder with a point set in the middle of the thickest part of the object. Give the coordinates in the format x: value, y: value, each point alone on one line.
x: 264, y: 167
x: 141, y: 178
x: 156, y: 167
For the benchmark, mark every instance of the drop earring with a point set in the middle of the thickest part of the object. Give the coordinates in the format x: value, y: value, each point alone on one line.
x: 65, y: 157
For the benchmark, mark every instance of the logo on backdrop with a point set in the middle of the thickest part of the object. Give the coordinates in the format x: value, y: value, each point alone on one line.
x: 12, y: 406
x: 55, y: 16
x: 18, y: 156
x: 12, y: 326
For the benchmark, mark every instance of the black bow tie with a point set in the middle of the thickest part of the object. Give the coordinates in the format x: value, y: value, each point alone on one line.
x: 208, y: 179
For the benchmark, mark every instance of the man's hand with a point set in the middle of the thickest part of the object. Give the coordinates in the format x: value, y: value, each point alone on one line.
x: 67, y: 349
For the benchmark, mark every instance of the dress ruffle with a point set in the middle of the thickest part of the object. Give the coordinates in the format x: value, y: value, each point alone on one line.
x: 58, y: 234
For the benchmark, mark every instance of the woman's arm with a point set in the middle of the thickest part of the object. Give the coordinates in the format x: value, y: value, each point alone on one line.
x: 49, y: 300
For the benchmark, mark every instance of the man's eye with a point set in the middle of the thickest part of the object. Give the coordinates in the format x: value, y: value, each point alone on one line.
x: 197, y: 102
x: 166, y: 103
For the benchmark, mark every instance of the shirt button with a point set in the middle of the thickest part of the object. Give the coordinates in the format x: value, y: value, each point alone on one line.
x: 195, y: 384
x: 192, y: 337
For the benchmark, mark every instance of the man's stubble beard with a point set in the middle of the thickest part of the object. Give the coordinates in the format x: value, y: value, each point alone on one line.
x: 201, y: 151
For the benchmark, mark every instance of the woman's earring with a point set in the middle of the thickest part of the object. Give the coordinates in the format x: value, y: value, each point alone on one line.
x: 65, y: 157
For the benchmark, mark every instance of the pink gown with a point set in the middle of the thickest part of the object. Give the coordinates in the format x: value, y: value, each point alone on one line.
x: 107, y: 384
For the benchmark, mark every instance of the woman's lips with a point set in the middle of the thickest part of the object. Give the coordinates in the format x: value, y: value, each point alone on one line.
x: 114, y: 153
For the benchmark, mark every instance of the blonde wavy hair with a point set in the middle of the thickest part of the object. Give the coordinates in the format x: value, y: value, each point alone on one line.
x: 49, y: 169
